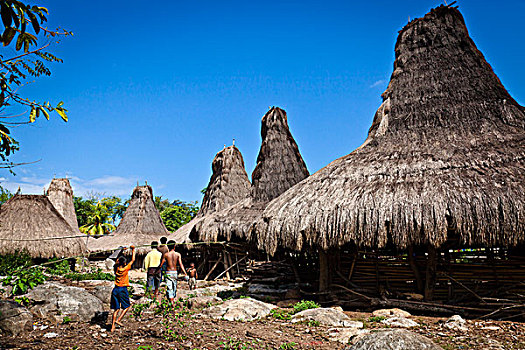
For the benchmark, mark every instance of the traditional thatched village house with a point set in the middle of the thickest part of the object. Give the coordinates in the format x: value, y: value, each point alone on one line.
x: 279, y: 167
x: 228, y: 185
x: 140, y: 225
x: 60, y: 194
x: 32, y: 223
x: 443, y: 168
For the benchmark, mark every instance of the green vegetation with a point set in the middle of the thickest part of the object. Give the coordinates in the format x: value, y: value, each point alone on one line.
x: 59, y: 268
x: 66, y: 320
x: 236, y: 344
x: 9, y: 263
x: 376, y: 318
x: 28, y: 43
x: 177, y: 213
x: 97, y: 216
x: 95, y: 275
x: 281, y: 314
x: 24, y: 279
x: 305, y: 305
x: 288, y: 346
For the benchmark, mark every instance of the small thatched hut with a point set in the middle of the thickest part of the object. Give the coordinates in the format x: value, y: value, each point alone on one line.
x: 279, y: 166
x: 33, y: 224
x: 140, y: 225
x: 228, y: 185
x: 60, y: 194
x: 443, y: 164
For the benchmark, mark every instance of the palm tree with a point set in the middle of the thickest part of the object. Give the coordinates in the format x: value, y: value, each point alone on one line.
x: 97, y: 222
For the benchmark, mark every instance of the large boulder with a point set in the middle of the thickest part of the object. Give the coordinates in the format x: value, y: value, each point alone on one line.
x: 203, y: 301
x: 103, y: 293
x: 456, y: 323
x: 394, y: 339
x: 391, y: 313
x: 14, y: 318
x: 245, y: 309
x: 327, y: 317
x: 54, y: 301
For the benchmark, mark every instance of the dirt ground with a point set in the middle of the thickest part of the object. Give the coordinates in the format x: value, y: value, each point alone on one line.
x: 185, y: 331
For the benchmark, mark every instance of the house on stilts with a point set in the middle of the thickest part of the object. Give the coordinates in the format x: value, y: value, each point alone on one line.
x: 432, y: 205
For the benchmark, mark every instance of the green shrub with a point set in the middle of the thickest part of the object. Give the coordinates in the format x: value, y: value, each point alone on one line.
x: 96, y: 275
x: 288, y: 346
x: 9, y: 263
x: 24, y: 279
x: 280, y: 314
x: 305, y: 305
x: 66, y: 320
x: 376, y: 318
x: 59, y: 268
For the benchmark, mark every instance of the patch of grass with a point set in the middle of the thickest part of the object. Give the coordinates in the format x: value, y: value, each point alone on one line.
x: 280, y: 314
x: 59, y: 268
x: 95, y: 275
x: 305, y: 305
x: 288, y: 346
x: 66, y: 320
x: 313, y: 323
x: 376, y: 318
x: 236, y: 344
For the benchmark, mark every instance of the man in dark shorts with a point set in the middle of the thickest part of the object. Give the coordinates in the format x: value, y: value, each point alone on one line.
x: 151, y: 264
x: 163, y: 249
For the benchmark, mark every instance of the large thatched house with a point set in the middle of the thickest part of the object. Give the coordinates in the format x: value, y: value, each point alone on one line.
x: 60, y: 194
x: 140, y: 225
x: 443, y: 166
x: 279, y: 166
x: 33, y: 224
x: 228, y: 185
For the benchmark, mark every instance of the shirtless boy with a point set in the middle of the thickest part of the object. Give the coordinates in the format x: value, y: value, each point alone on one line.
x: 172, y: 259
x: 192, y: 274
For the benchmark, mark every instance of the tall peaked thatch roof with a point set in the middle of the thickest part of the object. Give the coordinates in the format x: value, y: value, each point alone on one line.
x: 445, y: 155
x: 60, y: 194
x: 279, y: 166
x: 140, y: 225
x: 228, y: 184
x: 35, y: 219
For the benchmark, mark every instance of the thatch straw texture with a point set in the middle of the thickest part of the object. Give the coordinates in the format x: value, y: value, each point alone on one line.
x: 140, y: 225
x: 228, y: 185
x: 445, y: 155
x: 279, y: 166
x: 60, y: 194
x: 34, y: 217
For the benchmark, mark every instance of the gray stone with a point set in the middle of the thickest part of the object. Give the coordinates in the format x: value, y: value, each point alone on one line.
x: 50, y: 335
x: 55, y: 301
x: 103, y: 293
x: 346, y: 335
x: 204, y: 301
x: 138, y: 289
x: 108, y: 264
x: 457, y: 323
x: 400, y: 322
x: 245, y: 309
x: 394, y: 339
x: 328, y: 317
x: 391, y: 313
x: 14, y: 318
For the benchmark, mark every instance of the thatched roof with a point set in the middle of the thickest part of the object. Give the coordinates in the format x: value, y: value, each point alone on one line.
x: 60, y: 194
x: 279, y: 166
x: 140, y: 225
x: 228, y: 184
x: 445, y: 155
x: 34, y: 217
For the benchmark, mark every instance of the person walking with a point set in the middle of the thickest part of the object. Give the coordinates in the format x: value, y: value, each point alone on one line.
x: 119, y: 296
x: 172, y: 260
x: 151, y: 264
x: 192, y: 274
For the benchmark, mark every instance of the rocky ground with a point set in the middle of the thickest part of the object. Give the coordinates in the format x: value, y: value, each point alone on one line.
x: 208, y: 322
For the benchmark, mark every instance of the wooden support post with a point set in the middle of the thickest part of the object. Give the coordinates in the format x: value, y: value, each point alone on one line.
x: 356, y: 253
x: 230, y: 264
x: 213, y: 268
x: 324, y: 271
x: 226, y: 265
x: 430, y: 281
x: 413, y: 265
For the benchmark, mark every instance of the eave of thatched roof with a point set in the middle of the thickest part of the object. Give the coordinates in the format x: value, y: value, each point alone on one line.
x: 279, y: 166
x: 445, y: 155
x: 140, y: 225
x: 60, y: 194
x: 34, y: 217
x: 228, y: 185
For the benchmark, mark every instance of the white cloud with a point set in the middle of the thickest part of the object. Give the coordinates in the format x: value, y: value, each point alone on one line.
x: 104, y: 185
x: 378, y: 83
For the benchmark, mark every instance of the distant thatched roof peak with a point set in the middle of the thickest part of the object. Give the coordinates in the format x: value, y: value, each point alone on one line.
x: 140, y: 225
x: 34, y: 217
x: 445, y: 157
x: 60, y: 194
x: 279, y: 163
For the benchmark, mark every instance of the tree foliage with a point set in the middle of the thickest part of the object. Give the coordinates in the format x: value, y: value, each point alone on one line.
x: 24, y: 32
x: 5, y: 195
x: 177, y: 213
x: 98, y: 216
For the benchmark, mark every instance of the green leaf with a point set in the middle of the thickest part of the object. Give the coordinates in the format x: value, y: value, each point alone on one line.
x: 19, y: 42
x: 60, y: 104
x: 32, y: 115
x: 45, y: 112
x: 6, y: 15
x: 34, y: 22
x: 62, y: 113
x: 9, y: 34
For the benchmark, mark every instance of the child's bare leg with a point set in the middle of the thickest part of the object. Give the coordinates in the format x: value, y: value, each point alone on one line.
x: 114, y: 319
x: 122, y: 315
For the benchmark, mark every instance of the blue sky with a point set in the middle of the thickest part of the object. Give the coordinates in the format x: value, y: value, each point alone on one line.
x: 153, y: 92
